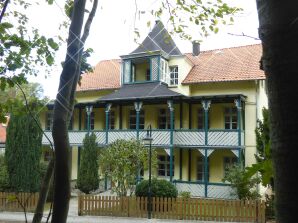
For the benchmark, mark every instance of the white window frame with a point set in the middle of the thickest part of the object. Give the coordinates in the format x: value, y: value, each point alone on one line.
x: 166, y: 165
x: 229, y: 114
x: 174, y: 75
x: 133, y: 114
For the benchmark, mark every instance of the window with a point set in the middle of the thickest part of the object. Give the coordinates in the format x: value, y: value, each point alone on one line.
x: 112, y: 120
x: 49, y: 120
x: 230, y: 118
x: 229, y: 162
x: 201, y: 119
x: 148, y: 78
x: 133, y: 73
x: 133, y: 119
x: 164, y: 119
x: 200, y: 168
x: 92, y: 118
x: 162, y: 77
x: 173, y: 75
x: 163, y: 167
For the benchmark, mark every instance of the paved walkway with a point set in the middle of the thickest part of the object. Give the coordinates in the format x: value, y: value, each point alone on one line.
x: 17, y: 217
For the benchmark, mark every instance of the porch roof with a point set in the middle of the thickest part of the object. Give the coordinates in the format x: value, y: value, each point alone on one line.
x: 141, y: 91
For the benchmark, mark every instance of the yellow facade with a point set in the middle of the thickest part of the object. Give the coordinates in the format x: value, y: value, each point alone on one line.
x: 185, y: 168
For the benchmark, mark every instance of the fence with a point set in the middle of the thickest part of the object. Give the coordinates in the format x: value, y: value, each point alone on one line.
x: 173, y: 208
x: 17, y: 201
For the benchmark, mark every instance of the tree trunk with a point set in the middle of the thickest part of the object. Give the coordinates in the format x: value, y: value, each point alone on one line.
x: 43, y: 194
x: 62, y: 111
x: 279, y: 35
x: 46, y: 183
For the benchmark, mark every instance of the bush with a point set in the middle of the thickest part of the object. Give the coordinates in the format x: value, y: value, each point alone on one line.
x: 159, y: 188
x: 244, y: 186
x: 23, y: 153
x: 4, y: 179
x: 185, y: 194
x: 88, y: 179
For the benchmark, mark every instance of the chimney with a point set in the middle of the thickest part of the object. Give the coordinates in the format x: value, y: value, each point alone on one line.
x: 195, y: 47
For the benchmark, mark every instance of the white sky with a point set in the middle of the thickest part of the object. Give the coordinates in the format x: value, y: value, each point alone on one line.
x: 112, y: 31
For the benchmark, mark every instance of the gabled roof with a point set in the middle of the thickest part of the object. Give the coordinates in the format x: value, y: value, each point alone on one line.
x: 140, y: 91
x: 158, y: 40
x: 106, y: 75
x: 229, y: 64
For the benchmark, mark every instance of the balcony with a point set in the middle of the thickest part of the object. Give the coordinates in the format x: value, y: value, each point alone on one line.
x: 211, y: 190
x: 216, y: 138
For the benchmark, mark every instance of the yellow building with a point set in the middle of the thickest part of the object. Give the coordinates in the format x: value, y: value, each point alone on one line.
x: 202, y: 106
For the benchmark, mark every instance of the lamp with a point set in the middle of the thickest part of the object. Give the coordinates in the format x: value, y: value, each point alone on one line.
x: 148, y: 142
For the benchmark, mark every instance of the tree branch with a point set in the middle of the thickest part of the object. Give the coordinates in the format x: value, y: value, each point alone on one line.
x: 3, y: 10
x: 83, y: 40
x: 244, y: 35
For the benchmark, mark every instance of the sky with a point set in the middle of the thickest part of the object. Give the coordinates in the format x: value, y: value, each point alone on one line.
x: 112, y: 31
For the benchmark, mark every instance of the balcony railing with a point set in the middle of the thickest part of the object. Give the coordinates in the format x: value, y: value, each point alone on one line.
x: 214, y: 190
x: 161, y: 138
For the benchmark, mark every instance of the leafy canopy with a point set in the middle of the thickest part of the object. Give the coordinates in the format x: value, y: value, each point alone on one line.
x: 121, y: 161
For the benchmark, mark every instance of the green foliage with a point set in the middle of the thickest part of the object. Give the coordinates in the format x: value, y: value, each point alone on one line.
x: 4, y: 180
x: 264, y: 155
x: 88, y: 179
x: 159, y: 188
x: 187, y: 15
x: 244, y: 186
x: 121, y: 162
x: 23, y: 50
x: 185, y: 194
x: 23, y: 152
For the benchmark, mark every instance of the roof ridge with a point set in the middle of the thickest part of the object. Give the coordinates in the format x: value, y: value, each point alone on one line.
x: 226, y: 48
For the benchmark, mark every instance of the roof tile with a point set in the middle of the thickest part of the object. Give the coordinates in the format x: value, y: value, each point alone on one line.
x: 106, y: 75
x: 229, y: 64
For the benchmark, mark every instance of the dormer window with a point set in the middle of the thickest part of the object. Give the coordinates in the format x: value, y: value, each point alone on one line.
x: 174, y: 75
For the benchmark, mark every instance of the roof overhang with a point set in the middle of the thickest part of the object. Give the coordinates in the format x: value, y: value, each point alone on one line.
x: 141, y: 91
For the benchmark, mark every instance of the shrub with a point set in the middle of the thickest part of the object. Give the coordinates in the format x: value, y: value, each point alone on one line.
x: 23, y: 153
x: 121, y: 161
x: 88, y: 179
x: 243, y: 185
x: 159, y: 188
x: 4, y: 180
x: 184, y: 194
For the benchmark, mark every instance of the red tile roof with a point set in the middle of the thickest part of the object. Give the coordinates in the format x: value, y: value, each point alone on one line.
x: 229, y: 64
x: 106, y: 75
